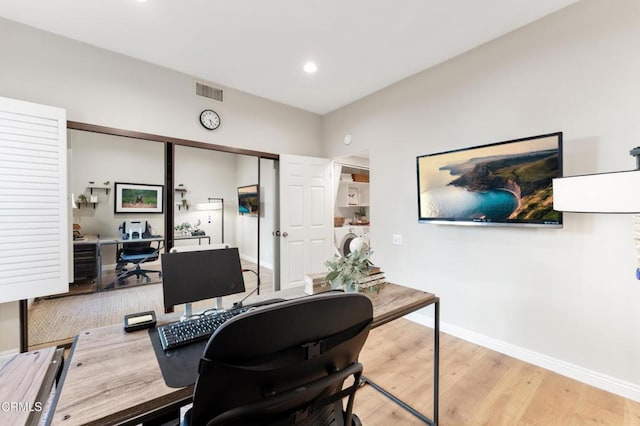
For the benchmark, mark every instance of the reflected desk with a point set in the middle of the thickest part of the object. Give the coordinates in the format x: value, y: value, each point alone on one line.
x: 118, y: 241
x: 193, y: 237
x: 113, y: 377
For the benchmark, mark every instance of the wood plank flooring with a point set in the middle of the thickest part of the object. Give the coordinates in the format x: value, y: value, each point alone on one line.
x: 477, y: 385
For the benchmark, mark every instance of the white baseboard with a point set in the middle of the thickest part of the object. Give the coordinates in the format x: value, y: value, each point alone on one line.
x: 254, y: 260
x: 10, y: 352
x: 584, y: 375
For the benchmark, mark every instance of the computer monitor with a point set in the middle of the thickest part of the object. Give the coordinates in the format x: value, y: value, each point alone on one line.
x: 191, y: 276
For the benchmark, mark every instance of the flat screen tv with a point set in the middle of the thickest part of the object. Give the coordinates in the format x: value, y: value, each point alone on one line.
x: 502, y: 184
x: 248, y: 200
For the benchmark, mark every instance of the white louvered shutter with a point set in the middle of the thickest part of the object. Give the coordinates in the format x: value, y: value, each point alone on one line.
x: 34, y: 226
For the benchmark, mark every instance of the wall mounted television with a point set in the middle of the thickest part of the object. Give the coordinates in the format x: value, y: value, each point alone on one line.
x: 500, y: 184
x: 248, y: 200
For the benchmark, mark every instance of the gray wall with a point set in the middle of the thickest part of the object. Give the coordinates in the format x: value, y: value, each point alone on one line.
x: 566, y: 299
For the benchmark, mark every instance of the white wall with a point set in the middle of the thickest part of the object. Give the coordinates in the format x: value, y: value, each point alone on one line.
x: 103, y: 88
x: 9, y: 326
x: 205, y: 174
x: 247, y: 225
x: 566, y: 296
x: 99, y: 87
x: 268, y: 214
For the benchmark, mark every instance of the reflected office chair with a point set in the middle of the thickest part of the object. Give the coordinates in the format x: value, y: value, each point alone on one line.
x: 284, y: 364
x: 135, y: 253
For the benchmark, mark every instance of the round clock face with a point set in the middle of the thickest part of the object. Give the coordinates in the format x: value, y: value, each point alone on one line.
x: 210, y: 119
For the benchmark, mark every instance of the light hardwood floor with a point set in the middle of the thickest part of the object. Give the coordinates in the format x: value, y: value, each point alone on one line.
x: 477, y: 386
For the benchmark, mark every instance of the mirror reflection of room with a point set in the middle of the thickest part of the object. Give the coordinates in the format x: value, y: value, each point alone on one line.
x: 102, y: 168
x: 210, y: 199
x: 108, y: 170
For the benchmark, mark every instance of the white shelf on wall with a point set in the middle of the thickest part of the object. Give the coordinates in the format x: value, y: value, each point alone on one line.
x: 350, y: 191
x: 80, y: 204
x: 181, y: 191
x: 105, y: 188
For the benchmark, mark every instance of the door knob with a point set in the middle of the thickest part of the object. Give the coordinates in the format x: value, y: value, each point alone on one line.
x: 276, y: 233
x: 285, y: 234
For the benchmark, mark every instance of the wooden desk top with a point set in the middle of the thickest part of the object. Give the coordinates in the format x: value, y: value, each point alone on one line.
x: 25, y: 382
x: 120, y: 240
x: 87, y: 239
x: 113, y: 376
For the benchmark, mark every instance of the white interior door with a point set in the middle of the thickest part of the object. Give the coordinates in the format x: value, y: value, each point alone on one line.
x: 306, y: 218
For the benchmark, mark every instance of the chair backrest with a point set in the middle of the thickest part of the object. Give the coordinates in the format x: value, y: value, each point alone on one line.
x: 276, y: 349
x: 134, y: 229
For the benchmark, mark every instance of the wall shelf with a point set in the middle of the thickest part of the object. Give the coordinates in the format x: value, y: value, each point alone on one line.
x: 86, y: 204
x: 102, y: 187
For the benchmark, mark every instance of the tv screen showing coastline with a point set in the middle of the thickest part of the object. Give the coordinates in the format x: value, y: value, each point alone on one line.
x: 502, y: 183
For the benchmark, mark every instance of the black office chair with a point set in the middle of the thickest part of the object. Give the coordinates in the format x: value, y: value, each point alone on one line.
x: 284, y: 364
x: 136, y: 253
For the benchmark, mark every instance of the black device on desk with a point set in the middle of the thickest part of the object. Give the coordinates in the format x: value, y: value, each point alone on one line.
x: 192, y: 330
x: 192, y: 276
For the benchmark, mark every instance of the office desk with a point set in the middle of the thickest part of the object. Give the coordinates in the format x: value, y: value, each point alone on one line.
x: 118, y: 241
x: 25, y: 384
x: 113, y: 377
x: 193, y: 237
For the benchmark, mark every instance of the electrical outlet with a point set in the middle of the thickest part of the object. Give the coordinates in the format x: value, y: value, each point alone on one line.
x: 397, y: 239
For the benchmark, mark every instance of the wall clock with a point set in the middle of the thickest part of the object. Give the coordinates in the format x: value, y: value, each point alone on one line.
x: 209, y: 119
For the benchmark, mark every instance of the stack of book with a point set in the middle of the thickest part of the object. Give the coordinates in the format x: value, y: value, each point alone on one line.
x: 316, y: 283
x: 372, y: 283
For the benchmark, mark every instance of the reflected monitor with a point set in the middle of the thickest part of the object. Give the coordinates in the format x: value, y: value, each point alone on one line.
x: 198, y: 275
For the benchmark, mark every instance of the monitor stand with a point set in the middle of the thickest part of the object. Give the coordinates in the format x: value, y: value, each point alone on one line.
x: 188, y: 309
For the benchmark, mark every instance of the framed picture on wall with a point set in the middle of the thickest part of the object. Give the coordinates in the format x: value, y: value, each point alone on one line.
x: 138, y: 198
x: 353, y: 196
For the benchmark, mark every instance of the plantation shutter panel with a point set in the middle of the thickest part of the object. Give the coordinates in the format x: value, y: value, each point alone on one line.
x: 34, y: 225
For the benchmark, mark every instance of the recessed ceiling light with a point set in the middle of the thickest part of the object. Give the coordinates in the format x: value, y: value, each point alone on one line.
x: 310, y: 67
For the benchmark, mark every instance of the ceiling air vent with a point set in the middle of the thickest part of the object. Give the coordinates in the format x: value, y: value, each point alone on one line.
x: 208, y: 91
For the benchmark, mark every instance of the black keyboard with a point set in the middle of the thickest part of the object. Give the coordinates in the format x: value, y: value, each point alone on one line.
x: 192, y: 330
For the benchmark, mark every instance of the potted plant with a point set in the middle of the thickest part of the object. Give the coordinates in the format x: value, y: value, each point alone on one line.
x: 346, y: 271
x: 184, y: 228
x: 362, y: 213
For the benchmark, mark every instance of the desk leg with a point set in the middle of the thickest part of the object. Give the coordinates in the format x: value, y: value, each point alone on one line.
x: 436, y: 360
x: 99, y: 266
x: 436, y: 376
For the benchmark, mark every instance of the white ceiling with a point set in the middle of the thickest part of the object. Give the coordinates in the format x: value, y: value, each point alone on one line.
x: 259, y: 46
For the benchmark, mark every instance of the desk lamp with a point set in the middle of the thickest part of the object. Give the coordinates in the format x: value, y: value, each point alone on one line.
x: 210, y: 205
x: 601, y: 193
